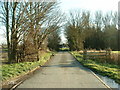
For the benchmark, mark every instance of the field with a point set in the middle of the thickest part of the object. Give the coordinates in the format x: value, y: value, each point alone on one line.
x: 3, y: 54
x: 103, y: 56
x: 116, y: 52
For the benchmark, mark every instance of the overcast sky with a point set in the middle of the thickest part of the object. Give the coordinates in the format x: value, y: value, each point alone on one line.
x: 91, y: 5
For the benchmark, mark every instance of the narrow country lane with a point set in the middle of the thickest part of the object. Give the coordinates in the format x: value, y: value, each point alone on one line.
x: 63, y: 71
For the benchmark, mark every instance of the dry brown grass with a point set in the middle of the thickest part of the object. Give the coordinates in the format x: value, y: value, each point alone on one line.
x: 113, y: 58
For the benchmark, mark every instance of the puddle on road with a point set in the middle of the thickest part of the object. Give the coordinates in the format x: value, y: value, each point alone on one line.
x: 109, y: 82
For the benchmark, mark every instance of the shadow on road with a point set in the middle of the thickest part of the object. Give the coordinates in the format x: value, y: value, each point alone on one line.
x: 67, y: 61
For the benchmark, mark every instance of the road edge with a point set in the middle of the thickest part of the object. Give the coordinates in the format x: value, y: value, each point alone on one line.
x: 16, y: 81
x: 94, y: 75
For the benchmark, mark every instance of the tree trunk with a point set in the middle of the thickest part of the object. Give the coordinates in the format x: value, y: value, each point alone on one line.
x: 14, y: 35
x: 14, y: 48
x: 7, y: 30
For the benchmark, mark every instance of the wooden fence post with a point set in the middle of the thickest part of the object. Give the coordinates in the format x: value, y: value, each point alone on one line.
x: 108, y: 54
x: 85, y: 54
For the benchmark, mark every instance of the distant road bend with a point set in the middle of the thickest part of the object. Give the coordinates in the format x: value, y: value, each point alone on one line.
x: 63, y: 71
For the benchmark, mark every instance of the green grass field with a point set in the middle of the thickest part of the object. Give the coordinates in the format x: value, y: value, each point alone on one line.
x: 64, y: 49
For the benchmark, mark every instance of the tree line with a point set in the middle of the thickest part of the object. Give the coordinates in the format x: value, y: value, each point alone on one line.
x: 29, y: 26
x: 83, y: 30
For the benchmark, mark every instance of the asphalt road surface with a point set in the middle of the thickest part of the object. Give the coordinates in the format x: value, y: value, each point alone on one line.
x: 63, y: 71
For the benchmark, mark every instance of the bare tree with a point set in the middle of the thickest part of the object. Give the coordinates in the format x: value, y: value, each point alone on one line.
x: 77, y: 25
x: 43, y: 19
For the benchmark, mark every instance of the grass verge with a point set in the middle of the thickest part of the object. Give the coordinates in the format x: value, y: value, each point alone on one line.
x: 12, y: 70
x: 110, y: 70
x: 116, y: 52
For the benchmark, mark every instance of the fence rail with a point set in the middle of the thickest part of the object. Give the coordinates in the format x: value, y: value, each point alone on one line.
x: 96, y: 54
